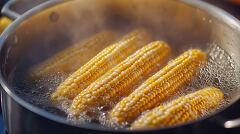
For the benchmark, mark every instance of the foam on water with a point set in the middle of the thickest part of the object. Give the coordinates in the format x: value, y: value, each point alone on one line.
x: 219, y: 72
x: 38, y: 92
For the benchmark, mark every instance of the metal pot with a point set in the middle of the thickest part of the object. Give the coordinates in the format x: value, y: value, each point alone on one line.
x: 49, y: 27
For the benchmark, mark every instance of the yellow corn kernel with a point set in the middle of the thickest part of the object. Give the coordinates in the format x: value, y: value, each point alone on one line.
x: 119, y: 81
x: 143, y: 37
x: 4, y: 22
x: 100, y: 64
x: 159, y: 87
x: 184, y: 109
x: 73, y: 57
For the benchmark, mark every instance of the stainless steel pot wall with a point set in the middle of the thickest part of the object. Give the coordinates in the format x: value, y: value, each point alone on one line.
x: 46, y: 29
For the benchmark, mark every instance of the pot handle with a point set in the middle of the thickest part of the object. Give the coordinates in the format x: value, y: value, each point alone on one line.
x: 232, y: 123
x: 230, y: 117
x: 235, y: 121
x: 9, y: 15
x: 13, y: 9
x: 7, y: 10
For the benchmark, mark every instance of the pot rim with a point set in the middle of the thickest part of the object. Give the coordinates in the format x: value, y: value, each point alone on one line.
x: 212, y: 10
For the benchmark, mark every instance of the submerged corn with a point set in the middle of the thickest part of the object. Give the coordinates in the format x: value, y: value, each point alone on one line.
x: 73, y: 57
x: 181, y: 110
x: 100, y: 64
x: 159, y: 87
x: 119, y: 81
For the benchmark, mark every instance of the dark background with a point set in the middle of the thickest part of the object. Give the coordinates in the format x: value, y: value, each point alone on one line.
x: 234, y: 9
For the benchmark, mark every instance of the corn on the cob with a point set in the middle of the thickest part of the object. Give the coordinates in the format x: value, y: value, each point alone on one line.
x: 159, y: 87
x: 100, y: 64
x: 181, y: 110
x: 119, y: 81
x: 4, y: 22
x: 73, y: 57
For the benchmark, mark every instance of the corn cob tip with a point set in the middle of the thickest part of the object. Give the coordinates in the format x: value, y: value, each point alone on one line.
x: 142, y: 35
x: 55, y: 97
x: 202, y: 56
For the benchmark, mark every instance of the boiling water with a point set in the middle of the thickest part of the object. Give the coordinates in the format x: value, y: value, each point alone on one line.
x: 218, y: 72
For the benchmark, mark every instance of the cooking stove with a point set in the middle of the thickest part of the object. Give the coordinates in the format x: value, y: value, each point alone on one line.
x: 234, y: 10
